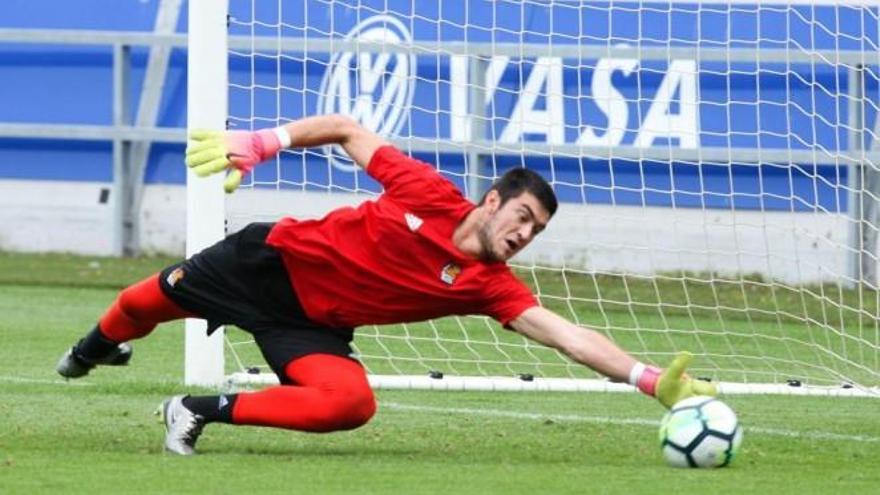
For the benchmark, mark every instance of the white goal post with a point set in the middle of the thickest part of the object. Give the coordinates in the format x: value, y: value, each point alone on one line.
x: 715, y: 162
x: 207, y: 76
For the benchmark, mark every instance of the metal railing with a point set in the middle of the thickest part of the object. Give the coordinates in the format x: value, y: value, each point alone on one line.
x: 862, y: 163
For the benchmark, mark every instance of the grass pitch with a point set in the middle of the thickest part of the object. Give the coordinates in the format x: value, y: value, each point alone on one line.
x: 98, y: 434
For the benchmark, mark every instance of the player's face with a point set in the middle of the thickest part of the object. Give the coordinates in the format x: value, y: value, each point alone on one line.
x: 512, y: 226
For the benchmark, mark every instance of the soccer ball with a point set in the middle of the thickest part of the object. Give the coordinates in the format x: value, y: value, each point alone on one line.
x: 700, y: 431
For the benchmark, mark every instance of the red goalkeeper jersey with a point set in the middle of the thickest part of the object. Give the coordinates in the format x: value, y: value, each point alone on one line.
x: 392, y: 260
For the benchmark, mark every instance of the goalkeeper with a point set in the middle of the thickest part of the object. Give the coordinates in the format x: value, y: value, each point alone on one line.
x: 417, y: 252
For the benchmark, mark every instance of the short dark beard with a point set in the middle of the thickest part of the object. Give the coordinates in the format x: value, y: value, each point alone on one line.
x: 486, y: 252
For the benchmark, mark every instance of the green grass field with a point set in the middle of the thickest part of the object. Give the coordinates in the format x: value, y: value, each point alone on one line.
x: 98, y: 435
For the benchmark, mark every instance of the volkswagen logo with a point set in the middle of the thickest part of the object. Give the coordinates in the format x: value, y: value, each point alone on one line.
x: 375, y: 89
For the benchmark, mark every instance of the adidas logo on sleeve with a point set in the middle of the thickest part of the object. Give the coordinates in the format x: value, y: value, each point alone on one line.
x: 412, y: 221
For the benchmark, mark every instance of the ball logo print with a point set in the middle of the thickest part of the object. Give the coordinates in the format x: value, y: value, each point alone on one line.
x: 375, y: 89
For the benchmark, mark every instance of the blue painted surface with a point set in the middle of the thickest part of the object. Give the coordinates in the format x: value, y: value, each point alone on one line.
x: 771, y: 106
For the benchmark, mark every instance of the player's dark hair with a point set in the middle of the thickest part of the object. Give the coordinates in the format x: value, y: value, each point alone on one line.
x: 519, y: 180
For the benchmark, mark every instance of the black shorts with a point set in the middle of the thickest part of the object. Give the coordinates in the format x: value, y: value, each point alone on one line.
x: 242, y: 281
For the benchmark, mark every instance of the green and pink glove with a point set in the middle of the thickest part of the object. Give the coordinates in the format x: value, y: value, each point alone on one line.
x: 671, y: 385
x: 210, y: 152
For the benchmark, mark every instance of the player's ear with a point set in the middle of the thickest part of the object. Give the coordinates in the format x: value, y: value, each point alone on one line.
x: 493, y: 201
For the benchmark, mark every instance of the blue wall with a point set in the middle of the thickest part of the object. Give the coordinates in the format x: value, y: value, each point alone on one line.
x: 771, y: 106
x: 67, y: 84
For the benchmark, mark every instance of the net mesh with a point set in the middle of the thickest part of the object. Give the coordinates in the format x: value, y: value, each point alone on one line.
x: 715, y: 164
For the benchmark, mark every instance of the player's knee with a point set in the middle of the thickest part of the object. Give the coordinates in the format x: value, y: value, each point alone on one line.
x: 362, y: 408
x: 122, y: 321
x: 130, y: 304
x: 143, y: 302
x: 348, y: 411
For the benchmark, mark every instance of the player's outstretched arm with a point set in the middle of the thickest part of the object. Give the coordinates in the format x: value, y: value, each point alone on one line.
x: 358, y: 142
x: 595, y: 351
x: 210, y: 152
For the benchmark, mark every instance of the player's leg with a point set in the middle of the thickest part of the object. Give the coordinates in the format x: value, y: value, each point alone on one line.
x: 323, y: 389
x: 329, y: 393
x: 325, y: 392
x: 209, y: 285
x: 135, y: 313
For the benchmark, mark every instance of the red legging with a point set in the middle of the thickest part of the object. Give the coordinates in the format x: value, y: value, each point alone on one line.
x: 137, y: 310
x: 329, y: 393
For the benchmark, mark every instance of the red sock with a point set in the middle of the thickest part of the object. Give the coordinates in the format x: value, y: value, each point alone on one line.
x: 330, y: 393
x: 137, y: 310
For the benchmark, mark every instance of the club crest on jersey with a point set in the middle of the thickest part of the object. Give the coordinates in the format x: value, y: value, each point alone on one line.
x: 175, y: 276
x: 449, y: 272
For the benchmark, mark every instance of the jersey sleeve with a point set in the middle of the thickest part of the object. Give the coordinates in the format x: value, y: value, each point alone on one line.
x: 508, y: 298
x: 411, y: 182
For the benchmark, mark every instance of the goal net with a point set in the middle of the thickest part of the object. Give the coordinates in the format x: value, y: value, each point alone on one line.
x: 715, y: 162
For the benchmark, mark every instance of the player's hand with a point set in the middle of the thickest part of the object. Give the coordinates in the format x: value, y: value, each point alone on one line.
x: 210, y: 152
x: 674, y: 384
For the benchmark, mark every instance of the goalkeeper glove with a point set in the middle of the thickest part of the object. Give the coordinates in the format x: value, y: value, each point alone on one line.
x: 671, y: 385
x: 209, y: 152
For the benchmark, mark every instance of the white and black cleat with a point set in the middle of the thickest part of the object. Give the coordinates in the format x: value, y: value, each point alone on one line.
x: 182, y: 426
x: 72, y: 365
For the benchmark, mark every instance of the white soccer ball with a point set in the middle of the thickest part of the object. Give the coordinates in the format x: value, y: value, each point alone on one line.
x: 700, y: 431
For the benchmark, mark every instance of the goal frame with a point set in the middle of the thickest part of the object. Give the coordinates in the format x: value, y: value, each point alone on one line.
x: 207, y: 108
